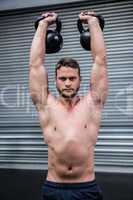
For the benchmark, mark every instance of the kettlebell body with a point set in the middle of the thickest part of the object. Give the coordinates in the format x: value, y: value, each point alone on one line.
x: 54, y: 40
x: 85, y: 39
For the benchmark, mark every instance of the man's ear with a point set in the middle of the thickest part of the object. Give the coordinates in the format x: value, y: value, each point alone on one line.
x: 55, y: 81
x: 55, y: 78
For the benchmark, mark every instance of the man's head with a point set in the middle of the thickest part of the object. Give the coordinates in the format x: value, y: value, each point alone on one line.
x: 67, y: 77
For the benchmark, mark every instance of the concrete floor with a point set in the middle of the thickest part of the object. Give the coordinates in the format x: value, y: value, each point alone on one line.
x: 26, y: 185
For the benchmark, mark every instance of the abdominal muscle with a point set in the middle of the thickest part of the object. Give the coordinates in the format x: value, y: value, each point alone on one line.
x: 70, y: 161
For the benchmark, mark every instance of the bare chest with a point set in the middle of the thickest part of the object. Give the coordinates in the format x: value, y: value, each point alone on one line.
x: 77, y: 124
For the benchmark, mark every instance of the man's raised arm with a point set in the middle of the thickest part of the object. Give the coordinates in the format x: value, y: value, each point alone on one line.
x: 99, y: 79
x: 38, y: 78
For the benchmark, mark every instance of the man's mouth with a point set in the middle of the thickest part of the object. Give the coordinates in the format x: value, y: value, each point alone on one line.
x: 68, y: 90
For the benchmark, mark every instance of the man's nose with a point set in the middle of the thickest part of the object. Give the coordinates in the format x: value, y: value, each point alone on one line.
x: 67, y: 83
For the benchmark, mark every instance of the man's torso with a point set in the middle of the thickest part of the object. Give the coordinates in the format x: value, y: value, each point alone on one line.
x: 71, y: 136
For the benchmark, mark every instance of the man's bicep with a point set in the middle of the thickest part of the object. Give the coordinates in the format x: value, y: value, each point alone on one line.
x: 38, y: 82
x: 99, y: 83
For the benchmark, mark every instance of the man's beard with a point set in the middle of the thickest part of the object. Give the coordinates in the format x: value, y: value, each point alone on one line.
x: 67, y: 96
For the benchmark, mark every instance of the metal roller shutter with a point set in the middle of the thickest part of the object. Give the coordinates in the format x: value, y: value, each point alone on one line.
x: 21, y: 142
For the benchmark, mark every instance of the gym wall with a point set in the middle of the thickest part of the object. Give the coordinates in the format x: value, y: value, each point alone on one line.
x: 21, y: 142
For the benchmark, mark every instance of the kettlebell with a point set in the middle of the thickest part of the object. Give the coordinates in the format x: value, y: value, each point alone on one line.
x: 54, y: 40
x: 85, y: 39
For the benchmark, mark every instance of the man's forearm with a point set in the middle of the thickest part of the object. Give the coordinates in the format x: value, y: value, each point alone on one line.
x: 37, y: 52
x: 97, y: 40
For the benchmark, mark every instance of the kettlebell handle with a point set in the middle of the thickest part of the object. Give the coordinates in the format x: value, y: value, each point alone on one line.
x: 58, y: 23
x: 81, y: 28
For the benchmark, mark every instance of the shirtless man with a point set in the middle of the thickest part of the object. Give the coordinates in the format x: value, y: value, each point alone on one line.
x: 70, y: 123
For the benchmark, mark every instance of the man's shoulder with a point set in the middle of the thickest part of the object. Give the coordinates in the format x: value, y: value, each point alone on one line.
x: 51, y: 99
x: 90, y: 101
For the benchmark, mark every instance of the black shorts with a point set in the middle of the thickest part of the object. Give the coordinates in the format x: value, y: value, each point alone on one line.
x: 71, y: 191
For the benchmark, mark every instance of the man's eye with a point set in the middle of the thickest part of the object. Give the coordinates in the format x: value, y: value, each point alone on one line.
x: 72, y: 78
x: 62, y: 78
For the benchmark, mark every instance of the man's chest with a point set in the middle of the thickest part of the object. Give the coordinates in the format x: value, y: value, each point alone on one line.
x: 79, y: 124
x: 81, y: 115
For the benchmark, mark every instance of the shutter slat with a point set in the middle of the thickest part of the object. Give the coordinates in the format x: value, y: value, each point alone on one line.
x: 21, y: 140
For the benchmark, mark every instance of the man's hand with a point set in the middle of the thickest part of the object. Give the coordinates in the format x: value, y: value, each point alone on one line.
x: 49, y: 18
x: 87, y: 16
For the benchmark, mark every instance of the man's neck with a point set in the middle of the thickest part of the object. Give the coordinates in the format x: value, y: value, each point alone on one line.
x: 69, y: 103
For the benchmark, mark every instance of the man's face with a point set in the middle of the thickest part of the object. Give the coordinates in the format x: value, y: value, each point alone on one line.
x: 67, y: 81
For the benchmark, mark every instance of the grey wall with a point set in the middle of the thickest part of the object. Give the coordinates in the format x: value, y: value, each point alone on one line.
x: 23, y: 4
x: 21, y: 142
x: 19, y: 4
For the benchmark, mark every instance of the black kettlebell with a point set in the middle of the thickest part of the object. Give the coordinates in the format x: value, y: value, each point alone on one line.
x: 54, y: 40
x: 85, y: 39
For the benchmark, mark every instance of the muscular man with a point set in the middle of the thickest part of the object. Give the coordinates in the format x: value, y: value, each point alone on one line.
x: 70, y: 123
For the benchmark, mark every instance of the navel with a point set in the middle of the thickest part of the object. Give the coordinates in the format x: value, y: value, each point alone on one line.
x: 85, y: 126
x: 70, y: 168
x: 55, y: 128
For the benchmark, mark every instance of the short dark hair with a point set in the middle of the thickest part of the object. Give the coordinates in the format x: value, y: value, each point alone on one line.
x: 67, y: 62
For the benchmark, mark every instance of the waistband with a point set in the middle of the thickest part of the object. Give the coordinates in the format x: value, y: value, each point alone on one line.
x: 70, y: 185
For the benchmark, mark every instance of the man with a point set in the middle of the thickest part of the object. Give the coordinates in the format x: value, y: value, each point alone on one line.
x: 70, y: 123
